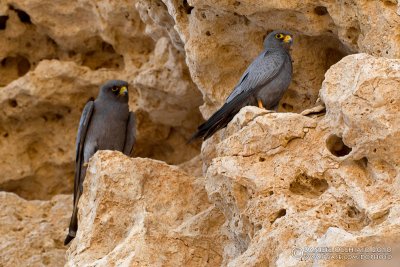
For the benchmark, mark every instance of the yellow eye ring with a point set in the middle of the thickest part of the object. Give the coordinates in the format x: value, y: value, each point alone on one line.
x: 279, y: 36
x: 114, y: 89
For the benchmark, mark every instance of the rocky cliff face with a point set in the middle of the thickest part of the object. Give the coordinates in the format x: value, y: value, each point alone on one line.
x: 321, y: 172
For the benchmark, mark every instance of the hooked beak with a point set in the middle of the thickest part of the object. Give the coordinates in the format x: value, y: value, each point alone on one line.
x: 288, y: 39
x: 123, y: 91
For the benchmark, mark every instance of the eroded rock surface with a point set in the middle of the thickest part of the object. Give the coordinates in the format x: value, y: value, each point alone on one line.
x: 266, y: 184
x: 284, y: 180
x: 32, y: 232
x: 142, y: 212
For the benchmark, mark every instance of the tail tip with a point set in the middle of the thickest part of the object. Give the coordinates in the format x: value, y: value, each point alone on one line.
x: 68, y: 239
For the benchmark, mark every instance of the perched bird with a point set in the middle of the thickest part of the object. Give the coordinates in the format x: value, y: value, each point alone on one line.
x: 105, y: 124
x: 263, y: 83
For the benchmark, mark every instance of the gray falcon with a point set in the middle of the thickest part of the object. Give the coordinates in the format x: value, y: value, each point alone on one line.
x: 263, y: 83
x: 105, y: 124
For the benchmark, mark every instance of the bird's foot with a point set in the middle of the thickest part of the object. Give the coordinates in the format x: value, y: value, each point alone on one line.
x: 260, y: 104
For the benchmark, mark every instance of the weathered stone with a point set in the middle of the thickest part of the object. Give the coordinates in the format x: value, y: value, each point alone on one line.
x: 142, y: 212
x: 274, y: 181
x: 283, y: 180
x: 32, y: 232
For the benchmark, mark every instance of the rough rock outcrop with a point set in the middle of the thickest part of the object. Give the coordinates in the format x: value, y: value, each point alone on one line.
x: 267, y: 184
x: 287, y: 181
x: 142, y: 212
x: 32, y: 232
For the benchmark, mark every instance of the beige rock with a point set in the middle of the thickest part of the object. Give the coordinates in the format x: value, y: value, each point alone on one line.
x: 267, y: 184
x: 32, y: 232
x: 283, y: 180
x: 142, y: 212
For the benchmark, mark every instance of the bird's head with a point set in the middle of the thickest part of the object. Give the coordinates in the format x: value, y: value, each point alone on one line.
x: 278, y: 39
x: 115, y: 89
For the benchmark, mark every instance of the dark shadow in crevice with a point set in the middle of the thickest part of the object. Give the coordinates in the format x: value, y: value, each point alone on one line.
x: 3, y: 22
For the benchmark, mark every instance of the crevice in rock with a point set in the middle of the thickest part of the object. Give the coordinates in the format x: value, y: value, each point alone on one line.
x: 321, y: 10
x: 308, y: 186
x: 3, y: 22
x: 336, y: 146
x: 188, y: 9
x: 23, y: 16
x: 279, y: 214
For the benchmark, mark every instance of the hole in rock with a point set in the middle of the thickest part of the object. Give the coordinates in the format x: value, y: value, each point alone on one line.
x: 279, y: 214
x: 320, y: 10
x: 13, y: 67
x: 261, y: 159
x: 336, y: 146
x: 187, y: 7
x: 353, y: 34
x: 208, y: 33
x: 3, y: 22
x: 23, y: 16
x: 12, y: 103
x: 5, y: 135
x: 308, y: 186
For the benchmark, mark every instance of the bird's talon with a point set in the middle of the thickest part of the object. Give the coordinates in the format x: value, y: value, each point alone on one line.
x: 260, y: 104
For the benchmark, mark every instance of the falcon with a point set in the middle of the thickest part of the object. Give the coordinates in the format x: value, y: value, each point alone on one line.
x: 105, y: 124
x: 262, y: 84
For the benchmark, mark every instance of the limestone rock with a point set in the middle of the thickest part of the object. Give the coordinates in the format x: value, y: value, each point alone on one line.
x: 32, y: 232
x: 283, y: 180
x: 267, y: 184
x: 134, y: 209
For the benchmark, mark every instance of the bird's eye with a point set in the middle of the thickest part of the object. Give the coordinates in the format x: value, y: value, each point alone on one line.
x: 114, y: 89
x: 279, y: 36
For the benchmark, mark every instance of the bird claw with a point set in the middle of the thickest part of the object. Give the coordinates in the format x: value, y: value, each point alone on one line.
x: 260, y: 104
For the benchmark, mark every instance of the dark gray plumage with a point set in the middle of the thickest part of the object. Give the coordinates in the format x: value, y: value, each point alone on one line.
x: 263, y: 83
x: 105, y: 124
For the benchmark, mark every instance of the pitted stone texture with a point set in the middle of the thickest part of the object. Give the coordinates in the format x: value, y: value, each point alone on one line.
x: 283, y: 181
x: 32, y: 232
x: 134, y: 209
